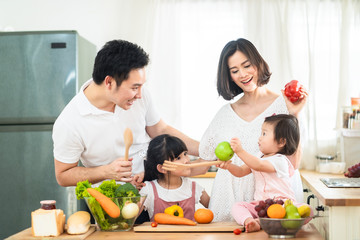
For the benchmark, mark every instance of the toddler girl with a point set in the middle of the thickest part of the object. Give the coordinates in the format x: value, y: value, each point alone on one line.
x: 271, y: 169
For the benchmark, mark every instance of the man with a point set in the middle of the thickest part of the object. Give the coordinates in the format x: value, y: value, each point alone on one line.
x: 91, y: 126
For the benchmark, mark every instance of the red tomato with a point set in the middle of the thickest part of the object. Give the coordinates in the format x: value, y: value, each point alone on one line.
x: 154, y: 224
x: 237, y: 231
x: 293, y: 90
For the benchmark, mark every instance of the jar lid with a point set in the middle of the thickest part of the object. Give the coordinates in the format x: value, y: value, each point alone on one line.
x: 48, y: 202
x: 325, y: 157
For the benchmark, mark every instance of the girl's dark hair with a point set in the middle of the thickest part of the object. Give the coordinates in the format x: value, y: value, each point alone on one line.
x: 116, y: 59
x: 225, y: 85
x: 161, y: 148
x: 286, y: 128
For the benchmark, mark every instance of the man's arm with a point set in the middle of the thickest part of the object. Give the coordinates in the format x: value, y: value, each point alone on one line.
x: 68, y: 174
x: 193, y: 146
x: 162, y: 128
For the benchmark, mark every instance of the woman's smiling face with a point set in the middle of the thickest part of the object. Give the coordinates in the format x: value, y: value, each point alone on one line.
x: 243, y: 72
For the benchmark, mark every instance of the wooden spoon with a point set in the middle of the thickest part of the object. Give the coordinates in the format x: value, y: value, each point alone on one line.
x: 172, y: 166
x: 128, y: 140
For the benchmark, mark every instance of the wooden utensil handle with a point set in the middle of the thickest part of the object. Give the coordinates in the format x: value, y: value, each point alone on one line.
x: 203, y: 164
x: 126, y: 157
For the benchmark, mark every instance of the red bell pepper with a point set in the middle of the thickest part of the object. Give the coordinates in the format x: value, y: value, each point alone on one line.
x: 293, y: 91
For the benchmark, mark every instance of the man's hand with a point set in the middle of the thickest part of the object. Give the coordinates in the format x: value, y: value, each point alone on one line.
x: 138, y: 181
x: 120, y: 170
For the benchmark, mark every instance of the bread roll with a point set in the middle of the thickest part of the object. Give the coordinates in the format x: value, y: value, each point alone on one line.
x: 78, y: 223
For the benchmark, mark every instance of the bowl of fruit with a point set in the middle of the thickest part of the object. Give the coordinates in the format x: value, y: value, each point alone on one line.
x: 114, y: 207
x: 281, y: 219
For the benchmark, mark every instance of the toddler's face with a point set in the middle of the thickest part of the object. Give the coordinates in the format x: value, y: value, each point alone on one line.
x: 267, y: 143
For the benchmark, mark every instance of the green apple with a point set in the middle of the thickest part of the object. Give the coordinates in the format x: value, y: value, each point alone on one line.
x: 224, y: 151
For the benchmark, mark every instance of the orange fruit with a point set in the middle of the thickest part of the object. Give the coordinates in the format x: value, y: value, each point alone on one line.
x: 276, y: 211
x: 203, y: 215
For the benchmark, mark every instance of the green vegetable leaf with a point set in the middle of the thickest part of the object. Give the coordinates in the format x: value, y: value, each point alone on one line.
x: 98, y: 213
x: 126, y: 190
x: 108, y: 188
x: 80, y: 189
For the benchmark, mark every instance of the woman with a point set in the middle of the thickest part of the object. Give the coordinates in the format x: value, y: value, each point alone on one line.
x: 242, y: 70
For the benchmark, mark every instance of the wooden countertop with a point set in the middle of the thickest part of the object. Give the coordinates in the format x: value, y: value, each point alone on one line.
x: 330, y: 196
x: 206, y: 175
x: 308, y: 232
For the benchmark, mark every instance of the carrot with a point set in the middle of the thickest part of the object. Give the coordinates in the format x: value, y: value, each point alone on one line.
x: 164, y: 218
x: 106, y: 203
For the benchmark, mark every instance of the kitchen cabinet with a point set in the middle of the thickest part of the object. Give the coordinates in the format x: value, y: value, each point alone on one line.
x: 338, y: 208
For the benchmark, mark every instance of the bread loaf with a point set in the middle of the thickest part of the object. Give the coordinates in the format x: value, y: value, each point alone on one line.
x: 46, y: 223
x: 78, y: 223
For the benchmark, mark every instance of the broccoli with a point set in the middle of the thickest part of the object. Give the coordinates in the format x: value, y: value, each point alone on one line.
x: 126, y: 190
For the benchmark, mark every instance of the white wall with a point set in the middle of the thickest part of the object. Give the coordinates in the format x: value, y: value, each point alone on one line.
x: 97, y: 21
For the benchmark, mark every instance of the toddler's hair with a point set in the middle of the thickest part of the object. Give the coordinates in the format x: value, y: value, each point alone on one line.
x: 161, y: 148
x: 286, y: 127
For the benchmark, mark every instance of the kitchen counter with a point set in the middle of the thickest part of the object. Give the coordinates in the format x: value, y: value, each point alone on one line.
x: 330, y: 196
x: 338, y: 209
x: 308, y: 232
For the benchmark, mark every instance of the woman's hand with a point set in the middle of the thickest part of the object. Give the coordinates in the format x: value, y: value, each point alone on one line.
x: 296, y: 107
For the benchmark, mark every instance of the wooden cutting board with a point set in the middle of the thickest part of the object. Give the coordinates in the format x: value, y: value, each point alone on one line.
x: 26, y: 234
x: 210, y: 227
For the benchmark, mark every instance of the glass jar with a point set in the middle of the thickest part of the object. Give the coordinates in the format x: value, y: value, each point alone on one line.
x: 324, y: 163
x: 48, y: 204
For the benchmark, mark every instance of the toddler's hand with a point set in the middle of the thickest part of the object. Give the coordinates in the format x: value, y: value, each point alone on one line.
x: 224, y: 165
x: 236, y: 145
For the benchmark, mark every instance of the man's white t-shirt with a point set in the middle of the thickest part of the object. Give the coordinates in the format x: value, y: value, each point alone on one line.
x: 96, y: 137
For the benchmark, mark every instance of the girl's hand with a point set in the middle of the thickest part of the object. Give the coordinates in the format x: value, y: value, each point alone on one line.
x: 236, y: 145
x: 296, y: 107
x: 138, y: 181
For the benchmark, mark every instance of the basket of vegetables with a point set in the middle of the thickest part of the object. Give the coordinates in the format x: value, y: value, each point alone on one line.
x: 114, y: 207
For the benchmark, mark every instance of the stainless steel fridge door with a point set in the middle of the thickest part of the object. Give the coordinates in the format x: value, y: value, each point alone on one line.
x: 37, y: 75
x: 27, y: 177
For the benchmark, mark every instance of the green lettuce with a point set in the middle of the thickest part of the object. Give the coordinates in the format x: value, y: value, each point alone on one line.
x: 108, y: 188
x: 80, y: 189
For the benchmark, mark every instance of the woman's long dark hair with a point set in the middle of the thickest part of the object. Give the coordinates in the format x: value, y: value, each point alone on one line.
x: 225, y: 85
x: 161, y: 148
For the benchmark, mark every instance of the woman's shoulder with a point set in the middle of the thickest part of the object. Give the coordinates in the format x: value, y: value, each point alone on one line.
x: 278, y: 104
x: 224, y: 110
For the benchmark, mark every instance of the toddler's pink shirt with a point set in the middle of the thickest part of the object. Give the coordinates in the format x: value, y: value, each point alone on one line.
x: 275, y: 184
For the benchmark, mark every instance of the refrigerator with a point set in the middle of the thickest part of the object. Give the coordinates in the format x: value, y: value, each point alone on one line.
x: 40, y: 72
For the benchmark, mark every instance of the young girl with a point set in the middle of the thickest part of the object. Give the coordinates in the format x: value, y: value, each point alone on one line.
x: 164, y: 188
x: 272, y: 169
